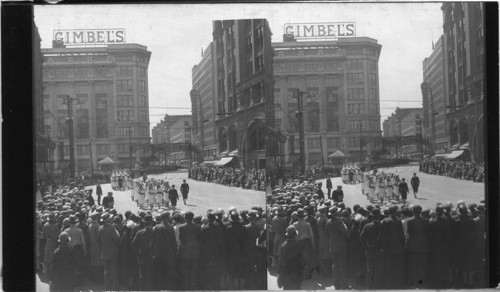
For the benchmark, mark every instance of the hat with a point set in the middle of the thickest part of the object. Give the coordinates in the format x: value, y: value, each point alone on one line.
x: 197, y: 219
x: 301, y: 213
x: 234, y: 216
x: 291, y: 231
x: 333, y: 210
x: 375, y: 212
x: 252, y: 214
x: 148, y: 218
x: 64, y: 238
x: 72, y: 219
x: 189, y: 215
x: 105, y: 216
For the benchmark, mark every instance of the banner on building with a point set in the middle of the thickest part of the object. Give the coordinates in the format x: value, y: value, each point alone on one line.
x: 78, y: 37
x: 323, y: 30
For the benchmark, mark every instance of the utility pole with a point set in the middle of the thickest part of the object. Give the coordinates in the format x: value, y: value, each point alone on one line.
x: 300, y: 117
x: 321, y: 145
x: 91, y: 159
x: 69, y: 120
x: 360, y: 141
x: 130, y: 146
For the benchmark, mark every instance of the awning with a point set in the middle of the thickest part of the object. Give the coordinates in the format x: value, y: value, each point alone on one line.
x: 223, y: 153
x: 210, y: 162
x: 455, y: 154
x: 337, y: 154
x: 455, y: 146
x: 464, y: 146
x: 106, y: 161
x: 224, y: 161
x: 440, y: 155
x: 233, y: 153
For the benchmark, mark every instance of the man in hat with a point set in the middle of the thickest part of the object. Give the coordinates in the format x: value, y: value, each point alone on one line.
x: 253, y: 231
x: 305, y: 236
x: 63, y: 266
x: 184, y: 191
x: 369, y: 239
x: 82, y: 225
x: 439, y: 241
x: 51, y: 233
x: 291, y: 262
x: 338, y: 194
x: 77, y: 244
x: 108, y: 202
x: 329, y: 187
x: 108, y: 239
x: 319, y: 191
x: 418, y: 247
x: 337, y: 234
x: 142, y: 245
x: 173, y: 196
x: 403, y: 190
x: 392, y: 244
x: 189, y: 252
x: 99, y: 193
x: 237, y: 243
x: 211, y: 254
x: 164, y: 250
x: 95, y: 251
x: 465, y: 242
x: 415, y: 183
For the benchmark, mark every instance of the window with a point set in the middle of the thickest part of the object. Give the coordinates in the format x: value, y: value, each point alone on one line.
x: 250, y: 68
x: 333, y: 142
x: 353, y: 141
x: 355, y: 64
x: 100, y: 73
x: 373, y: 79
x: 122, y: 148
x: 141, y: 71
x: 260, y: 63
x: 372, y: 109
x: 101, y: 100
x: 143, y: 116
x: 372, y: 52
x: 372, y: 65
x: 142, y: 85
x: 83, y: 149
x: 61, y: 104
x: 354, y: 125
x: 373, y: 94
x: 127, y: 115
x: 249, y: 44
x: 124, y: 71
x: 313, y: 92
x: 124, y: 85
x: 355, y: 78
x: 126, y: 131
x: 142, y: 59
x: 331, y: 80
x: 144, y: 131
x: 46, y: 102
x: 313, y: 143
x: 102, y: 131
x: 313, y: 116
x: 354, y: 52
x: 102, y: 149
x: 125, y: 100
x: 125, y: 58
x: 355, y: 93
x: 356, y: 109
x: 259, y: 36
x: 142, y: 101
x: 332, y: 93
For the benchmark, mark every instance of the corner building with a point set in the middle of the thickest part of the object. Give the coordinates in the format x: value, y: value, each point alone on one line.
x: 342, y: 85
x: 111, y: 117
x: 243, y: 89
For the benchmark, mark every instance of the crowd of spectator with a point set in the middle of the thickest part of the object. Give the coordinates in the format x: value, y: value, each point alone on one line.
x: 465, y: 170
x: 253, y: 179
x: 80, y: 242
x: 377, y: 246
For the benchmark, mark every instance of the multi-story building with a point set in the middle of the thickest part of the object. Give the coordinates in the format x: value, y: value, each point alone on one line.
x: 435, y: 126
x: 203, y: 105
x: 243, y: 89
x: 111, y: 115
x: 404, y: 122
x: 341, y: 81
x: 173, y: 129
x: 45, y: 147
x: 464, y: 49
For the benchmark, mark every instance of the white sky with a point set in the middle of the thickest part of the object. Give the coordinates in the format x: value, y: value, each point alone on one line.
x: 175, y: 34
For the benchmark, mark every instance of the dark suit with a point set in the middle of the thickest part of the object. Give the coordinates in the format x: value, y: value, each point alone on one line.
x: 337, y: 232
x: 369, y: 240
x: 329, y: 187
x: 338, y: 195
x: 320, y: 193
x: 291, y: 264
x: 237, y: 249
x: 403, y: 190
x: 142, y: 248
x: 392, y: 243
x: 439, y: 245
x: 211, y: 253
x: 465, y: 242
x: 189, y: 253
x: 415, y: 183
x: 108, y: 202
x: 99, y: 194
x: 109, y: 242
x: 164, y: 250
x: 418, y: 247
x: 173, y: 196
x: 63, y: 272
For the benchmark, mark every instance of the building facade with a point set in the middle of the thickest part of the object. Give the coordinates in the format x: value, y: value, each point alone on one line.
x: 243, y: 88
x: 404, y: 122
x: 341, y: 104
x: 434, y: 91
x: 203, y: 105
x: 173, y: 129
x: 111, y: 114
x: 464, y: 50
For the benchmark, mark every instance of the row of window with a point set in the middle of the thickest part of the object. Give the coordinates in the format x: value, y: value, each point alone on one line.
x: 128, y: 115
x: 129, y: 58
x: 101, y: 101
x: 359, y: 109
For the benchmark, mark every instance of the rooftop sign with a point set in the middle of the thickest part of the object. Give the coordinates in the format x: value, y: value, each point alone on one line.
x: 78, y: 37
x: 322, y: 30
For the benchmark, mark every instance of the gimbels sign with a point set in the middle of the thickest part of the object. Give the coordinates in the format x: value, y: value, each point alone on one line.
x: 323, y: 30
x: 89, y: 36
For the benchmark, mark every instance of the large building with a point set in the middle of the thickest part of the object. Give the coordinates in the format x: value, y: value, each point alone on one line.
x: 110, y: 113
x: 174, y: 129
x: 464, y: 50
x: 404, y: 122
x: 434, y: 91
x: 203, y: 105
x: 243, y: 88
x: 341, y: 81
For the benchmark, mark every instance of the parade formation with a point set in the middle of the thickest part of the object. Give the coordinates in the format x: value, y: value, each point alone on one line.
x: 253, y: 179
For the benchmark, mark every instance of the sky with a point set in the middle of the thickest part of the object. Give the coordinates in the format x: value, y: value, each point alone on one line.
x: 176, y: 33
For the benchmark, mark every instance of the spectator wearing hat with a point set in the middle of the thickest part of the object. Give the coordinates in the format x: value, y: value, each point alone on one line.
x: 338, y: 194
x: 305, y: 236
x: 369, y: 240
x: 189, y: 252
x: 292, y: 260
x: 392, y: 244
x: 63, y: 266
x: 128, y: 261
x: 142, y: 246
x: 51, y: 233
x: 211, y: 254
x: 313, y: 222
x: 418, y: 248
x: 95, y: 250
x: 337, y: 238
x: 237, y: 249
x: 465, y: 242
x: 355, y: 253
x: 279, y: 225
x: 481, y: 244
x: 439, y: 244
x: 98, y: 192
x: 108, y: 201
x: 254, y: 253
x: 323, y: 252
x: 164, y: 250
x: 82, y: 225
x: 329, y: 187
x: 108, y: 240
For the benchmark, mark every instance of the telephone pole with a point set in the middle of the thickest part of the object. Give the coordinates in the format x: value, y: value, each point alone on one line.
x: 69, y: 120
x: 130, y: 146
x: 360, y: 141
x: 300, y: 116
x: 91, y: 159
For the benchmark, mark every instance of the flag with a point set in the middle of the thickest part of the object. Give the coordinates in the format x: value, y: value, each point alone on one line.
x: 433, y: 44
x: 202, y: 53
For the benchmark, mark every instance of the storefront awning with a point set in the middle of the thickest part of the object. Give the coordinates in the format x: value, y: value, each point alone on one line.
x: 337, y: 154
x: 233, y: 153
x: 224, y: 161
x: 464, y: 146
x: 455, y: 154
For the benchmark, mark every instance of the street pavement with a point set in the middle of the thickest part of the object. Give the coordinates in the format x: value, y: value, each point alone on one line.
x: 433, y: 189
x: 202, y: 197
